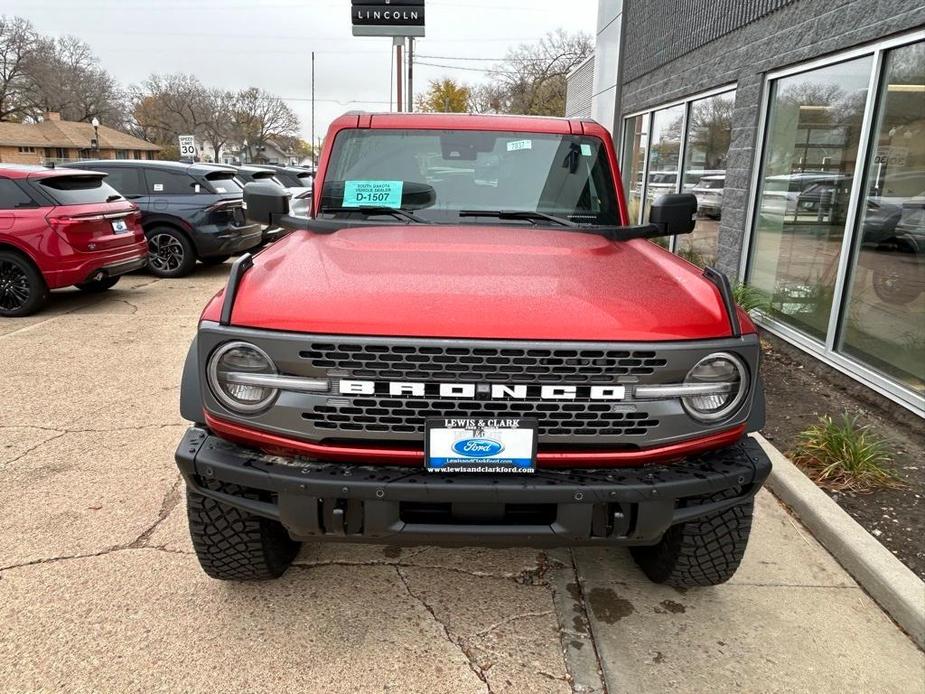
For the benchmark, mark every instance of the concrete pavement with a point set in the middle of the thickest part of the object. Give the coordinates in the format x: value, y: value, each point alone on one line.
x: 99, y: 590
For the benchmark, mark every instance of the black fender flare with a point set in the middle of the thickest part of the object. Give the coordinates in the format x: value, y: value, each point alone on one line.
x: 756, y: 416
x: 191, y: 407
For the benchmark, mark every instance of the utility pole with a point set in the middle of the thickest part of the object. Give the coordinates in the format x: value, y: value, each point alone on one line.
x: 314, y: 157
x: 399, y: 42
x: 410, y: 74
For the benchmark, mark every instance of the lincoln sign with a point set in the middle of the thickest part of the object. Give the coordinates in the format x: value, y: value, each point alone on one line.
x: 388, y: 18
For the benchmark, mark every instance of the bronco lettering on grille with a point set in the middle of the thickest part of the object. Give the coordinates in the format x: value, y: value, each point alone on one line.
x: 482, y: 391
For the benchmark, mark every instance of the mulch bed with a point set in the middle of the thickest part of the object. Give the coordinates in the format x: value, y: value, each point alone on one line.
x: 799, y: 390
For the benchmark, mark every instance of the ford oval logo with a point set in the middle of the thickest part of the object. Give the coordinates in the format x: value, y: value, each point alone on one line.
x: 477, y: 448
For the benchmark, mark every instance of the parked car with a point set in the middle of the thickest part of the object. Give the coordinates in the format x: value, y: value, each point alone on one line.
x: 249, y: 174
x: 293, y: 176
x: 60, y: 227
x: 188, y: 211
x: 465, y: 360
x: 709, y: 192
x: 298, y: 180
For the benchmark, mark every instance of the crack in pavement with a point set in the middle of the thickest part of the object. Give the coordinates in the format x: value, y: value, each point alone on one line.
x: 512, y: 618
x: 581, y: 604
x: 33, y: 448
x: 168, y: 504
x: 516, y: 577
x: 470, y: 659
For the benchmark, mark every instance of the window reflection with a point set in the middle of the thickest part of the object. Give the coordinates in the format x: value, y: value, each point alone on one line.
x: 884, y: 323
x: 811, y: 146
x: 664, y: 157
x: 634, y: 157
x: 709, y: 131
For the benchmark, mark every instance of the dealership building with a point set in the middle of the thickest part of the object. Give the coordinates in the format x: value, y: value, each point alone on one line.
x: 800, y: 127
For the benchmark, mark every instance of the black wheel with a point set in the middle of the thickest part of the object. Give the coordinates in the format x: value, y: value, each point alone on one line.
x: 22, y: 288
x: 96, y: 286
x: 170, y: 253
x: 703, y: 552
x: 236, y: 546
x: 214, y: 260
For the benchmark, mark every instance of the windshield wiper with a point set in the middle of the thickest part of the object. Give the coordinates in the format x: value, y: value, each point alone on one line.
x: 396, y: 212
x: 113, y: 198
x: 527, y: 215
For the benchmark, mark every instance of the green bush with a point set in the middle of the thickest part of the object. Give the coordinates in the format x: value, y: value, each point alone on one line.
x: 749, y: 298
x: 845, y: 455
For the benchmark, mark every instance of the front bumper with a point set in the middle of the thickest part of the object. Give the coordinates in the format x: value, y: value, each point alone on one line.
x: 319, y: 501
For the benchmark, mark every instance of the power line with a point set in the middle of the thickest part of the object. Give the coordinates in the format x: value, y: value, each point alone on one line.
x: 453, y: 67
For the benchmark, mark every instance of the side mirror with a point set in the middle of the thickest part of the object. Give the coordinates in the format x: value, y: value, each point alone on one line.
x: 264, y: 201
x: 674, y: 213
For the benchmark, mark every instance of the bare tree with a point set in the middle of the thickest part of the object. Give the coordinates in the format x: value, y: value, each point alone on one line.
x: 166, y: 106
x: 259, y: 116
x: 65, y: 76
x: 218, y: 126
x: 532, y: 78
x: 17, y: 43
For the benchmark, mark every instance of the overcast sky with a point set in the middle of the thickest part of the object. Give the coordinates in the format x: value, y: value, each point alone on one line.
x: 268, y: 43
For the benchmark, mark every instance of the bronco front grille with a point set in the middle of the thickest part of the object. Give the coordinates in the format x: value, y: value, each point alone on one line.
x: 380, y: 417
x: 505, y: 364
x: 557, y: 419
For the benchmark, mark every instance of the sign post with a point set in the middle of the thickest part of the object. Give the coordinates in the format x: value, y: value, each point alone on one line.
x: 187, y: 147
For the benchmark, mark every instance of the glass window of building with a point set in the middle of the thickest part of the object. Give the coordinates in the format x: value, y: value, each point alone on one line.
x: 709, y: 131
x: 883, y: 324
x: 664, y: 157
x: 635, y: 144
x: 811, y: 146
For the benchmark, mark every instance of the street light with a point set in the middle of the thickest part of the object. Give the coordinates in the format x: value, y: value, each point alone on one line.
x: 95, y: 142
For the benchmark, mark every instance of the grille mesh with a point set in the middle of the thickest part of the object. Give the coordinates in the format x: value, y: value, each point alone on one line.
x: 481, y: 364
x: 557, y: 419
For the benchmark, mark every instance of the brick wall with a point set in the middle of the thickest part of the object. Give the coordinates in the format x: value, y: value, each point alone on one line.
x: 675, y: 48
x: 12, y: 155
x: 578, y: 93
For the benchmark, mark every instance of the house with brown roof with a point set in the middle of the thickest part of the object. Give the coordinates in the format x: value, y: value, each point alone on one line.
x: 60, y: 141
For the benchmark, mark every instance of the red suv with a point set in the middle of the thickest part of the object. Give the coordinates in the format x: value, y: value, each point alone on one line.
x: 467, y: 343
x: 60, y: 227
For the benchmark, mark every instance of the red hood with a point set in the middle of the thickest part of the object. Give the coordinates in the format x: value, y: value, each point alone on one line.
x: 476, y: 282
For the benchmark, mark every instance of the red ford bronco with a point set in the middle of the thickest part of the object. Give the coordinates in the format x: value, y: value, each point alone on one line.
x: 467, y: 343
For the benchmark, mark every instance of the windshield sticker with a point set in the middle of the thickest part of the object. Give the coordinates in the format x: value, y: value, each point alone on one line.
x: 518, y: 145
x: 219, y: 189
x: 158, y: 187
x: 196, y: 188
x: 586, y: 150
x: 373, y: 193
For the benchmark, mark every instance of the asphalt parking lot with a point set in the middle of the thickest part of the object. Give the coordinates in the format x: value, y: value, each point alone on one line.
x: 99, y: 590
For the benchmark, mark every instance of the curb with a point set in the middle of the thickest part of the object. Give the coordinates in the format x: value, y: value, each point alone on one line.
x: 885, y: 578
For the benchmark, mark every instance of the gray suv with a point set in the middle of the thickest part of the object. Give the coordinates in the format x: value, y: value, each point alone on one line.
x: 189, y: 212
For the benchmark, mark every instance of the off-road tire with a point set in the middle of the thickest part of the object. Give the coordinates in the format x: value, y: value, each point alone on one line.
x: 98, y: 286
x: 23, y: 291
x: 236, y: 546
x: 705, y: 551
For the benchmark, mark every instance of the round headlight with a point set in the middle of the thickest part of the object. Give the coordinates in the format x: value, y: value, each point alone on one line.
x: 234, y: 376
x: 729, y: 380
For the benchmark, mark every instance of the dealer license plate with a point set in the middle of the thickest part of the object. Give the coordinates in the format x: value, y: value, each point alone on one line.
x: 119, y: 226
x: 503, y: 445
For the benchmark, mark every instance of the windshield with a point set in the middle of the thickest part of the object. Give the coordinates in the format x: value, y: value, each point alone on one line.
x: 438, y: 174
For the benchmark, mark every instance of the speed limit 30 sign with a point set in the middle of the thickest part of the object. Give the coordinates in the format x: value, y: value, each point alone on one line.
x: 187, y: 147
